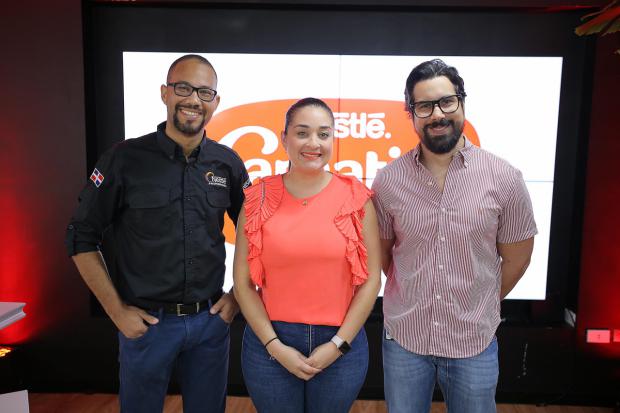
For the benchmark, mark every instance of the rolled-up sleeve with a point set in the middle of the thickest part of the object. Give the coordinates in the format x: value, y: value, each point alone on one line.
x: 240, y: 181
x: 516, y: 222
x: 384, y: 218
x: 99, y: 203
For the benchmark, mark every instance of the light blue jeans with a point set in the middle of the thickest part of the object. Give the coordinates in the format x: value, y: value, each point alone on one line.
x: 468, y: 384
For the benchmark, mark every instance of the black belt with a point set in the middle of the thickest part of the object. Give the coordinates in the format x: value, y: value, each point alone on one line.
x: 181, y: 309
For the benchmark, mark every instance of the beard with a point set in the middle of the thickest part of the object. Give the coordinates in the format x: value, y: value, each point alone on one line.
x: 188, y: 128
x: 440, y: 144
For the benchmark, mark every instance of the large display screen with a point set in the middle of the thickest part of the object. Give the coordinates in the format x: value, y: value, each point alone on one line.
x: 512, y: 110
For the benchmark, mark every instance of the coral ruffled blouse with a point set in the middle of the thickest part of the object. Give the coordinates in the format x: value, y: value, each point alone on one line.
x: 306, y: 255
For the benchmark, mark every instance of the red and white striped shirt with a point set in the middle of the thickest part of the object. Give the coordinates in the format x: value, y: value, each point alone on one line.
x: 443, y: 287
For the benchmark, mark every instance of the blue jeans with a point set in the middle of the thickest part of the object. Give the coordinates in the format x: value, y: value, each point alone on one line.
x: 198, y: 346
x: 468, y: 384
x: 274, y: 390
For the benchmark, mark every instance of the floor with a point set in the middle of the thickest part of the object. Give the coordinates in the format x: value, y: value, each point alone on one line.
x: 108, y: 403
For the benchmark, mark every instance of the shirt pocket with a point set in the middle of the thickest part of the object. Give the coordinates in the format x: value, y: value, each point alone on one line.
x: 218, y: 198
x: 149, y: 213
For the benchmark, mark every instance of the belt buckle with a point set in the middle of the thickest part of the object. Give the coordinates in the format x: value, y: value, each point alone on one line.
x: 179, y: 309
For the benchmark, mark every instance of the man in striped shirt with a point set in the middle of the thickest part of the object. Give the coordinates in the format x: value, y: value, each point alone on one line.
x: 457, y: 231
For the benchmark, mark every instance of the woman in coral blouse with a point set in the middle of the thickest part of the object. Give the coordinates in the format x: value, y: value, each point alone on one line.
x: 307, y: 273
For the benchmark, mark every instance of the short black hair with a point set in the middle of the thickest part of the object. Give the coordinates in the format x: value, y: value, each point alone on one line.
x: 189, y: 57
x: 302, y: 103
x: 429, y: 70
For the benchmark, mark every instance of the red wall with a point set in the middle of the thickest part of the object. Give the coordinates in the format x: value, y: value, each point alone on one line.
x: 599, y: 287
x: 42, y: 162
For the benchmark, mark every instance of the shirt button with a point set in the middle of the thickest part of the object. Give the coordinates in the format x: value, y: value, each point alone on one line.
x: 188, y: 198
x: 442, y: 239
x: 439, y: 298
x: 429, y: 183
x: 440, y: 266
x: 435, y: 323
x: 466, y: 164
x: 190, y: 261
x: 443, y: 210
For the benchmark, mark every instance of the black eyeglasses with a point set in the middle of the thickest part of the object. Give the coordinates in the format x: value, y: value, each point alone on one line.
x: 447, y: 104
x: 184, y: 89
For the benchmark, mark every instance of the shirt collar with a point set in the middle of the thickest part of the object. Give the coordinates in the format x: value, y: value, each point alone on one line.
x: 466, y: 152
x: 172, y: 149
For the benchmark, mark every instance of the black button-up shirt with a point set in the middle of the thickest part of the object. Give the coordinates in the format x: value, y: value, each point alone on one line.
x: 166, y: 214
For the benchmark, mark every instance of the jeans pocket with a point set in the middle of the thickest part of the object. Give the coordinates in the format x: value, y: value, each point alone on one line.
x: 227, y: 324
x: 139, y: 339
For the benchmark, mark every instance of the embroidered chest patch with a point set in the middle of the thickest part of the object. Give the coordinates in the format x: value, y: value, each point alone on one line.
x: 215, y: 180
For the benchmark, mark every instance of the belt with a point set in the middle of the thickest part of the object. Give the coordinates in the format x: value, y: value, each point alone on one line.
x: 182, y: 309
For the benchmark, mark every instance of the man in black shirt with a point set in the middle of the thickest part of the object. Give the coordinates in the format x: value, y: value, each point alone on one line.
x: 163, y: 196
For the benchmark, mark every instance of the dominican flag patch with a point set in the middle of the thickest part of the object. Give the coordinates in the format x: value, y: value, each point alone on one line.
x: 97, y: 177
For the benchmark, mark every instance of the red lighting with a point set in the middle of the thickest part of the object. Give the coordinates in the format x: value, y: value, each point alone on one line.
x: 4, y: 351
x: 598, y: 336
x: 25, y: 271
x: 616, y: 335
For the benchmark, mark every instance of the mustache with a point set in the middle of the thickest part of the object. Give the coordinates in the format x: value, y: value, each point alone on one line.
x: 195, y: 108
x: 439, y: 123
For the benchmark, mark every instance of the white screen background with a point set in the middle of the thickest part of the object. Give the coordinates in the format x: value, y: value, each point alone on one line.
x: 513, y: 102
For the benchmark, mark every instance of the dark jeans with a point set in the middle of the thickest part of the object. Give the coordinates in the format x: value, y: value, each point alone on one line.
x: 274, y: 390
x: 196, y: 344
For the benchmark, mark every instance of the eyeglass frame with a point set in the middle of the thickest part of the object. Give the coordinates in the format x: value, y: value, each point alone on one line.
x: 194, y: 89
x: 460, y: 97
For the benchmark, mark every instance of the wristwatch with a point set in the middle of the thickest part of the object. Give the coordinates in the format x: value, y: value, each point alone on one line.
x: 341, y: 344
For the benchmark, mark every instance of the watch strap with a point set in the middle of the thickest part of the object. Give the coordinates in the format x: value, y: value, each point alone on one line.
x: 341, y: 344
